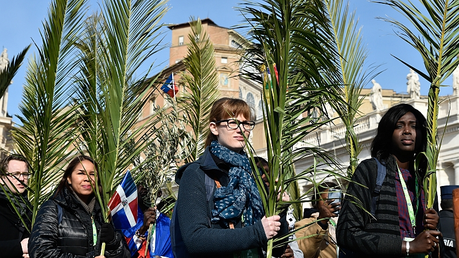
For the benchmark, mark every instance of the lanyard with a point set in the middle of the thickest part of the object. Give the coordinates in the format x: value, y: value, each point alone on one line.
x: 94, y: 231
x: 408, y: 199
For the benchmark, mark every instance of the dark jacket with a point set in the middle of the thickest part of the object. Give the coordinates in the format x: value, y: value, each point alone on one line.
x: 446, y: 227
x: 202, y: 238
x: 70, y: 234
x: 12, y: 230
x: 380, y: 238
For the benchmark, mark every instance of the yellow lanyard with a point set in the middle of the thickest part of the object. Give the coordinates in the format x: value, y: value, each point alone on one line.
x: 408, y: 198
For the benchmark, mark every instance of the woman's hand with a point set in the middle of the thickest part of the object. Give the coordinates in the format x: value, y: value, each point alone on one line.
x: 271, y: 225
x: 431, y: 219
x: 425, y: 242
x: 24, y: 245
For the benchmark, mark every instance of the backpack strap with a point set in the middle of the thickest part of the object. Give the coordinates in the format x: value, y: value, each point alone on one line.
x: 59, y: 214
x: 380, y: 175
x: 210, y: 185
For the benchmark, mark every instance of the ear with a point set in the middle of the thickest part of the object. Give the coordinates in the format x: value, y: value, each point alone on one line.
x: 69, y: 181
x: 213, y: 128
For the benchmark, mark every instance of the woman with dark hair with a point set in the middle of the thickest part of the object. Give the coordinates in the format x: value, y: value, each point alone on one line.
x: 398, y: 225
x: 225, y: 217
x: 70, y: 223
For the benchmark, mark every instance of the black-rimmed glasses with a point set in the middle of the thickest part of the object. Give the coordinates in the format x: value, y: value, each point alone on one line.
x: 18, y: 174
x: 234, y: 124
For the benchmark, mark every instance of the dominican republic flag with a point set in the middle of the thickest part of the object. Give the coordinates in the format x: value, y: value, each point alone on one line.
x: 169, y: 86
x: 123, y: 204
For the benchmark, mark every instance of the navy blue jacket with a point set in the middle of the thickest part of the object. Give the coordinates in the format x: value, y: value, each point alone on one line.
x: 201, y: 237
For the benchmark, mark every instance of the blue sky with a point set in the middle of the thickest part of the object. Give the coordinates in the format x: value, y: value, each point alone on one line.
x: 22, y: 20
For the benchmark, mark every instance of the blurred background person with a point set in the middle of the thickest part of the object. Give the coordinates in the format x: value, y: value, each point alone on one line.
x: 317, y: 238
x: 14, y: 236
x: 446, y: 223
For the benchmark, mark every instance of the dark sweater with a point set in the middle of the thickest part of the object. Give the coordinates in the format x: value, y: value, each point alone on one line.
x: 201, y: 238
x: 380, y: 238
x: 11, y: 227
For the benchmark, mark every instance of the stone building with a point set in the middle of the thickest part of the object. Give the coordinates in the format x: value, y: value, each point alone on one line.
x: 6, y: 121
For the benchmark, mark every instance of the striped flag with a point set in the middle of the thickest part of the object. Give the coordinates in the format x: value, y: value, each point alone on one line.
x: 123, y: 204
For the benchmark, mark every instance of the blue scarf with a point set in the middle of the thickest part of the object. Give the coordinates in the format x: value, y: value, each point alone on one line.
x: 241, y: 195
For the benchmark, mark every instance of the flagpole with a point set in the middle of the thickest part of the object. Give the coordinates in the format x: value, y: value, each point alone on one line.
x: 173, y: 85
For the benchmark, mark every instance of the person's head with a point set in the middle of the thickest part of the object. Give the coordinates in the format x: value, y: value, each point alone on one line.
x: 446, y: 193
x: 230, y: 123
x: 401, y: 132
x: 79, y: 176
x: 144, y: 197
x: 321, y: 194
x: 263, y: 164
x: 14, y: 173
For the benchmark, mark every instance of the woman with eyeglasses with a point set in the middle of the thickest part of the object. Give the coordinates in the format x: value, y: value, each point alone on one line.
x: 219, y: 211
x: 15, y: 209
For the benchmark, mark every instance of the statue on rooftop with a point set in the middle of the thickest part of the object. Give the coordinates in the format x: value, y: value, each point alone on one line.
x: 376, y: 96
x: 413, y: 85
x: 456, y: 82
x: 4, y: 60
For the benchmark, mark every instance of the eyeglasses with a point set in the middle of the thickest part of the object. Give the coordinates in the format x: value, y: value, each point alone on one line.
x: 234, y: 124
x: 18, y: 174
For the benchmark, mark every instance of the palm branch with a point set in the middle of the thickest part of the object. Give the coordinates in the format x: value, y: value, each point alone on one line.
x: 435, y: 35
x: 291, y: 39
x: 44, y: 135
x: 111, y: 97
x: 352, y: 56
x: 7, y: 74
x: 201, y: 80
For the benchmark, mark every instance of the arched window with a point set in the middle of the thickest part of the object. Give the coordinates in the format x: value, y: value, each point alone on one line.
x: 260, y: 110
x: 251, y: 101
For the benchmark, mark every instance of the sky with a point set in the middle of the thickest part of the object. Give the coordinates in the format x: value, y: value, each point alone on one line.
x: 22, y: 20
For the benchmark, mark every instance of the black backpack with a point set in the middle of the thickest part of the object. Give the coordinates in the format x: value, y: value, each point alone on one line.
x: 178, y: 246
x: 381, y: 174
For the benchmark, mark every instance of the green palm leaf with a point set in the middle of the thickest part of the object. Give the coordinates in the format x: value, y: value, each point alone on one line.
x: 6, y: 75
x: 436, y: 37
x: 292, y: 39
x: 352, y: 56
x: 201, y: 80
x: 44, y: 136
x: 111, y: 97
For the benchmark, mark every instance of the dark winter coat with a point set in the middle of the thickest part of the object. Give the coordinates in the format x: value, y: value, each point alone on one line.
x: 12, y: 230
x: 356, y: 230
x: 70, y: 234
x: 201, y: 237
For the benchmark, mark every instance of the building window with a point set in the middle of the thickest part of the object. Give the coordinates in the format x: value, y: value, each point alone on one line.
x: 235, y: 44
x: 153, y: 106
x: 251, y: 102
x: 180, y: 40
x: 224, y: 60
x: 224, y: 80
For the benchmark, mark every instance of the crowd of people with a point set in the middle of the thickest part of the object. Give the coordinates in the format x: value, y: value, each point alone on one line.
x: 219, y: 211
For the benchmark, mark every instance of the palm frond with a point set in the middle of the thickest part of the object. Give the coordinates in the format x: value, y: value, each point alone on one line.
x: 436, y: 37
x: 7, y: 74
x: 44, y: 137
x: 291, y: 39
x: 201, y: 81
x: 352, y: 56
x: 112, y: 98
